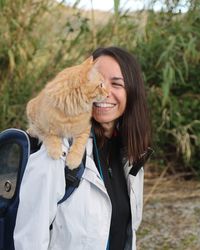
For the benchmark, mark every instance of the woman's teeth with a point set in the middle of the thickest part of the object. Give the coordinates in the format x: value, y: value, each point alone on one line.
x: 103, y: 105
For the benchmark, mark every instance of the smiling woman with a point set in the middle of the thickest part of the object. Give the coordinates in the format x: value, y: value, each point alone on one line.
x: 105, y: 210
x: 121, y: 125
x: 125, y: 108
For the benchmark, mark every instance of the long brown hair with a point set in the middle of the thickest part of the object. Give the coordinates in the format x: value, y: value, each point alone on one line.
x: 133, y: 125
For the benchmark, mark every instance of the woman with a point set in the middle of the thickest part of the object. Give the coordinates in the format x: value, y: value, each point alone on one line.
x: 105, y: 211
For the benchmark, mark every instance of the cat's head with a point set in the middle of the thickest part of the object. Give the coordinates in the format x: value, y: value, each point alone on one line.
x: 95, y: 88
x: 75, y: 89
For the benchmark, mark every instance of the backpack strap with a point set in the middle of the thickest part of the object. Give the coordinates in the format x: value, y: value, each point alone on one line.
x: 140, y: 163
x: 73, y: 178
x: 35, y: 144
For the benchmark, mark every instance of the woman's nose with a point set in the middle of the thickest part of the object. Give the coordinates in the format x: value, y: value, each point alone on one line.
x: 108, y: 91
x: 108, y: 88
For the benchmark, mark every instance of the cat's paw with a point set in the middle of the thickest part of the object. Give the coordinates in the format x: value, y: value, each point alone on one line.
x: 54, y: 152
x: 73, y: 160
x: 31, y: 132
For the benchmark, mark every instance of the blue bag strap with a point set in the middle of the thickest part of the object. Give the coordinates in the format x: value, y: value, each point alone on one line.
x: 73, y: 178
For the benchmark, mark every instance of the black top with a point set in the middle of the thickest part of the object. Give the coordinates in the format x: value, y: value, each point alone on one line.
x: 116, y: 186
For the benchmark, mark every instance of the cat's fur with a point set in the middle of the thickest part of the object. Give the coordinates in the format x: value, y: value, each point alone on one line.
x: 64, y: 108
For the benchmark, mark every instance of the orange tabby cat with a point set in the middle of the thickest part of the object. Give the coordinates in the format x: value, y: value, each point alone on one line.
x: 63, y: 109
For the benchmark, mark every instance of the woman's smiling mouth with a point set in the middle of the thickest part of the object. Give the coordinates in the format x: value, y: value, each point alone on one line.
x: 104, y: 105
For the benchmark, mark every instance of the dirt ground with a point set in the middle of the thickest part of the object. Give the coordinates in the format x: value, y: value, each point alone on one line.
x: 171, y: 215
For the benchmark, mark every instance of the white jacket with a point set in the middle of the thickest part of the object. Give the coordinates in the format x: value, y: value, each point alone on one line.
x: 82, y: 222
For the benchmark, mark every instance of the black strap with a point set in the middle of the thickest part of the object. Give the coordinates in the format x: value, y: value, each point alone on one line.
x: 35, y: 144
x: 73, y: 178
x: 140, y: 163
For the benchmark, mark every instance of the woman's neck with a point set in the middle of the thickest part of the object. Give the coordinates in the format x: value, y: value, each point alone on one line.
x: 108, y: 129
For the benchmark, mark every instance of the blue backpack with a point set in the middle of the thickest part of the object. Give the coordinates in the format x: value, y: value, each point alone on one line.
x: 15, y: 149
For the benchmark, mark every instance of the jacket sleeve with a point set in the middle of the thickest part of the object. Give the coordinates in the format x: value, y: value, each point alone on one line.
x: 42, y: 187
x: 135, y: 188
x: 137, y: 191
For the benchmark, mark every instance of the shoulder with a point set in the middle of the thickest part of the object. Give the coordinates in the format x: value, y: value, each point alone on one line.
x: 40, y: 161
x: 134, y: 181
x: 42, y: 170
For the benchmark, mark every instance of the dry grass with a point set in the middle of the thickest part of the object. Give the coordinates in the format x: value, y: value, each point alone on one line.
x: 171, y: 215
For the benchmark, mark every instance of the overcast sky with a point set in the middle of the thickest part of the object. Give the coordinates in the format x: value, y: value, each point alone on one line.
x: 125, y: 4
x: 108, y: 4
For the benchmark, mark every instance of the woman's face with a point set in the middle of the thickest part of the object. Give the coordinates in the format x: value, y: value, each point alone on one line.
x: 113, y: 106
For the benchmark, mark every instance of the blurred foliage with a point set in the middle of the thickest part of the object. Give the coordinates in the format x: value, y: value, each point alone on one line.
x: 39, y: 38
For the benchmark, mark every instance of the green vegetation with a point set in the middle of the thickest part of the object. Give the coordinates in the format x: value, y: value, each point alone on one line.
x: 39, y: 38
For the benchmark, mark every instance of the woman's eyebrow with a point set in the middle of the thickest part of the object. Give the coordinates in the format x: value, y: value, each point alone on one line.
x: 117, y: 78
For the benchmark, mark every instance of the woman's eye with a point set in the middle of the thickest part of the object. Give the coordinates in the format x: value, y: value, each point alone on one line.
x: 116, y: 84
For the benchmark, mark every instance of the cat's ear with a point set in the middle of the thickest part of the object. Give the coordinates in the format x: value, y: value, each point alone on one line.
x: 89, y: 61
x: 92, y: 74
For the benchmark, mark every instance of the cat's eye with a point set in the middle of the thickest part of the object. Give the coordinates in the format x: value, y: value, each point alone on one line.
x: 101, y: 85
